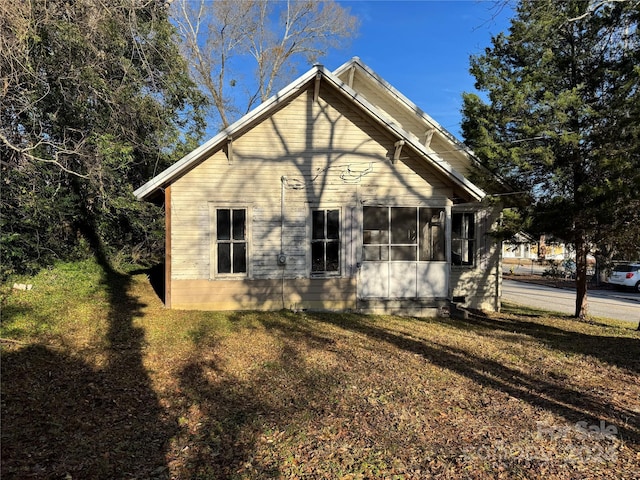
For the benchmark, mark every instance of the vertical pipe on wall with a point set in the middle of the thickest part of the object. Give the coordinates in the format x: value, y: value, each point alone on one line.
x: 283, y: 181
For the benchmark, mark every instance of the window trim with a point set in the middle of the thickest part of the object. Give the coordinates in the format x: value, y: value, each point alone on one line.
x: 213, y: 241
x: 341, y: 241
x: 473, y: 240
x: 419, y: 238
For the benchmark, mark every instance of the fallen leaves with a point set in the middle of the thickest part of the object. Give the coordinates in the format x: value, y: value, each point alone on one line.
x: 280, y: 395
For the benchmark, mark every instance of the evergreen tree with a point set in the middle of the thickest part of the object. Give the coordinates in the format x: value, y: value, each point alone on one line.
x: 96, y: 96
x: 559, y: 120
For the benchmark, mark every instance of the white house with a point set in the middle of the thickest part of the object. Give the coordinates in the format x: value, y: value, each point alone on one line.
x: 338, y: 193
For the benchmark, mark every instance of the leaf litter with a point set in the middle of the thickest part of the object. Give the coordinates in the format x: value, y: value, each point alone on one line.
x: 255, y: 395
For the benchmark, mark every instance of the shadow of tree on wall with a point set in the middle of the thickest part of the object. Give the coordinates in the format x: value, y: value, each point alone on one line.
x: 315, y: 159
x: 65, y: 417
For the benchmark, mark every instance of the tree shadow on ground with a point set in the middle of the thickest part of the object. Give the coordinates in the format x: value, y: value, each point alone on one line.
x: 541, y: 391
x: 622, y: 352
x: 156, y: 276
x: 63, y: 416
x: 236, y: 410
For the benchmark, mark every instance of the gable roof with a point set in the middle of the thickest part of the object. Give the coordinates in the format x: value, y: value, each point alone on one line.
x: 406, y: 113
x: 320, y: 73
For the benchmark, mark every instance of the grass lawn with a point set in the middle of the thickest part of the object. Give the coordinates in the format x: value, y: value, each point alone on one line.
x: 100, y: 381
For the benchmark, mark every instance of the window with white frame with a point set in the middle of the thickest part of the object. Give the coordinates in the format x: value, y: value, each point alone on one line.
x: 325, y: 241
x: 403, y: 234
x: 231, y: 241
x: 462, y: 238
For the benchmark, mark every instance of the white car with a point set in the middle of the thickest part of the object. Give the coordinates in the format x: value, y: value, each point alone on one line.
x: 627, y: 275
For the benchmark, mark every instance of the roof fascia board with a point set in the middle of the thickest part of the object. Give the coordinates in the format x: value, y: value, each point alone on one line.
x: 399, y: 96
x: 411, y: 106
x: 166, y: 176
x: 440, y: 164
x: 460, y: 146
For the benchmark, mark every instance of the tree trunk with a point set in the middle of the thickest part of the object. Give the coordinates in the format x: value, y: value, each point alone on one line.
x: 582, y: 250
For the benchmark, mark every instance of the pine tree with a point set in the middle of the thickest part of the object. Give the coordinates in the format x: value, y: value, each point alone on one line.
x: 559, y: 120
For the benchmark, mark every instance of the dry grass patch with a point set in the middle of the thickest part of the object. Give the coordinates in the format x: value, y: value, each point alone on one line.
x: 305, y: 395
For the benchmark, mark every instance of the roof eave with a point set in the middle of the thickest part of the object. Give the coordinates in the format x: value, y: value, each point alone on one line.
x: 440, y: 164
x: 166, y: 177
x: 192, y: 158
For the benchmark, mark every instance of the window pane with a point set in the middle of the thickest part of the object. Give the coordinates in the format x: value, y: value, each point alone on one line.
x: 376, y: 236
x: 403, y: 253
x: 333, y: 224
x: 333, y: 256
x: 456, y: 252
x: 224, y: 258
x: 469, y: 253
x: 437, y: 239
x: 432, y: 234
x: 375, y: 218
x: 223, y: 225
x: 239, y: 257
x: 317, y: 257
x: 239, y: 224
x: 403, y: 225
x: 462, y: 242
x: 318, y: 224
x: 375, y: 253
x: 456, y: 224
x: 462, y: 252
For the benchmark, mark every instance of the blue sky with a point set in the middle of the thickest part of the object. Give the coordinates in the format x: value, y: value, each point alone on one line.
x: 422, y: 48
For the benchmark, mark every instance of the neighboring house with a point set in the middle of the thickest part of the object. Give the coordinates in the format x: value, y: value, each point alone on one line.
x: 524, y: 247
x: 520, y: 247
x: 337, y: 193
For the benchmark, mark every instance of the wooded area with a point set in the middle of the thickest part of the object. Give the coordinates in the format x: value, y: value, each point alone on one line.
x: 97, y: 98
x: 559, y: 122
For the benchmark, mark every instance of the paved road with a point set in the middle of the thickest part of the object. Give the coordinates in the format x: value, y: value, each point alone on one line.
x: 602, y: 303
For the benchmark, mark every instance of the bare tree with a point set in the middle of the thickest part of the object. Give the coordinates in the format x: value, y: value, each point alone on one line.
x: 221, y: 38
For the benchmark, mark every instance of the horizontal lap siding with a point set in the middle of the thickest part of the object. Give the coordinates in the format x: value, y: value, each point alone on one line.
x: 312, y: 294
x: 411, y: 122
x: 189, y: 238
x: 311, y: 153
x: 479, y: 284
x: 330, y: 155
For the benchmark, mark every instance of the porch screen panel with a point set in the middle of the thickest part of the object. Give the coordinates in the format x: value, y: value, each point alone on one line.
x: 398, y: 234
x: 432, y: 228
x: 404, y: 253
x: 376, y: 233
x: 404, y: 238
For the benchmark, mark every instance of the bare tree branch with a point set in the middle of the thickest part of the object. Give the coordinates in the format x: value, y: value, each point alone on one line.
x: 58, y: 153
x: 219, y: 37
x: 594, y: 8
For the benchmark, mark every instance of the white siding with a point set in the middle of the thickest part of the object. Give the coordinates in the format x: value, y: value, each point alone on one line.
x: 410, y: 121
x: 328, y: 153
x: 479, y: 284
